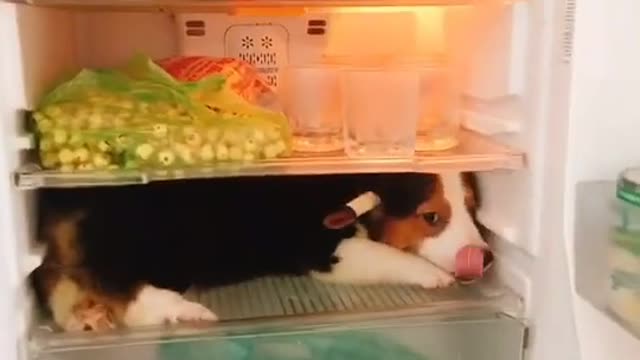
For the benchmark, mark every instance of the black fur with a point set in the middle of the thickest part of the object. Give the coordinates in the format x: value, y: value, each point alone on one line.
x: 217, y: 231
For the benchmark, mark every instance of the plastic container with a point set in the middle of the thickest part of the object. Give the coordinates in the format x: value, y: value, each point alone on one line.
x: 311, y: 100
x: 624, y: 252
x: 381, y: 111
x: 628, y: 195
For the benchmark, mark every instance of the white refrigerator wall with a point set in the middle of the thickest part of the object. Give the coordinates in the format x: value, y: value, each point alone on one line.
x: 603, y: 137
x: 16, y: 217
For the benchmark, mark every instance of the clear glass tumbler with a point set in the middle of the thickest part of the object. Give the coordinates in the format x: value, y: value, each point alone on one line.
x: 312, y: 102
x: 439, y: 123
x: 381, y: 111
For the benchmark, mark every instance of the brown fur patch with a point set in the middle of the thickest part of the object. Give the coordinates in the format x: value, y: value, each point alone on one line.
x: 408, y: 233
x: 472, y: 195
x: 61, y: 235
x: 64, y: 285
x: 68, y: 292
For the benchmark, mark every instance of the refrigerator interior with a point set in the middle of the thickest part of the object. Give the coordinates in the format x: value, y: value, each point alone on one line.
x: 513, y: 107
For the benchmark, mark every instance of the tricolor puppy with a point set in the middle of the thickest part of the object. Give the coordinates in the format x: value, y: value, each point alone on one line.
x: 122, y: 255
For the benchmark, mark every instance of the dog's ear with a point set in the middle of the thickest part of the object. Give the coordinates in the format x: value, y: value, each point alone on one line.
x: 340, y: 219
x: 472, y: 190
x: 349, y: 213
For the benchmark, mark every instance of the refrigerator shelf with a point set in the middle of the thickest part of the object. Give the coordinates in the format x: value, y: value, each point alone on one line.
x: 290, y: 307
x: 475, y: 153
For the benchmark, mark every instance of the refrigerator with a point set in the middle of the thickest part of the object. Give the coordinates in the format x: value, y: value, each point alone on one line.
x: 547, y: 109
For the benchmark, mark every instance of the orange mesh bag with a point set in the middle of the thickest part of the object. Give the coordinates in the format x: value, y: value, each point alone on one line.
x: 243, y: 78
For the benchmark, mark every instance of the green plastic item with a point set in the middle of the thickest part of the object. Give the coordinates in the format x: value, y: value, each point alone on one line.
x: 627, y: 240
x: 140, y: 117
x: 317, y: 346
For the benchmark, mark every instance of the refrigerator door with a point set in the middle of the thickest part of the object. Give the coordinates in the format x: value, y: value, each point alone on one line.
x: 603, y: 139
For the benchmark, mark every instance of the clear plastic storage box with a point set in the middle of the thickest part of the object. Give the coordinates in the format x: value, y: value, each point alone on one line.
x: 624, y: 254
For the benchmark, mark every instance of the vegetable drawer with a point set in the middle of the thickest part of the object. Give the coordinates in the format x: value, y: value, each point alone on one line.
x: 477, y: 337
x: 299, y: 318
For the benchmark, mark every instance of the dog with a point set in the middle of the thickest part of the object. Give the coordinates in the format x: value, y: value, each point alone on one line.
x: 122, y: 256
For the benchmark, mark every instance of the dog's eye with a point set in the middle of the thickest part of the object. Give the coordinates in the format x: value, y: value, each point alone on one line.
x: 431, y: 218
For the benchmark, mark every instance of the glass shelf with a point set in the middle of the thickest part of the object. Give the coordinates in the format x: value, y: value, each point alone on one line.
x: 230, y: 4
x: 594, y: 249
x: 475, y: 153
x: 282, y: 311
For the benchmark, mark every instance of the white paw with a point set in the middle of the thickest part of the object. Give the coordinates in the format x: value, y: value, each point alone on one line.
x: 155, y: 306
x: 189, y: 311
x: 434, y: 278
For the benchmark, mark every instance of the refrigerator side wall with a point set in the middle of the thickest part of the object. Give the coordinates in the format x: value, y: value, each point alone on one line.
x: 37, y: 47
x: 13, y: 299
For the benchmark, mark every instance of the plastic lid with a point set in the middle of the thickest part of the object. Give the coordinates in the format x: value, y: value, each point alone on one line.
x: 628, y: 188
x: 632, y: 175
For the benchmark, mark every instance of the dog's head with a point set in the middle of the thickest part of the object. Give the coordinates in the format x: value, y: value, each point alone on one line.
x: 431, y: 215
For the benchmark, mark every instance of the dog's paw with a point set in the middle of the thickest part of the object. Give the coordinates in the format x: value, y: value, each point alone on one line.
x: 155, y: 306
x: 89, y: 316
x: 188, y: 311
x: 434, y: 277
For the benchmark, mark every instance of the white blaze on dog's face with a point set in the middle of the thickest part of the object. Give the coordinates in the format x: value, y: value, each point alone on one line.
x: 442, y: 225
x: 460, y: 229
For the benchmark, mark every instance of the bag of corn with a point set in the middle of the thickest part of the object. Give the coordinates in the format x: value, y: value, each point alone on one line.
x: 140, y: 117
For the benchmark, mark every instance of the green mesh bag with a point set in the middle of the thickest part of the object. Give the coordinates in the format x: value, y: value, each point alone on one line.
x: 140, y: 117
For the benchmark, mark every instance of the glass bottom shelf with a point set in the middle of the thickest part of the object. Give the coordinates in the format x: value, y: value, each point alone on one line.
x: 301, y: 318
x: 475, y: 153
